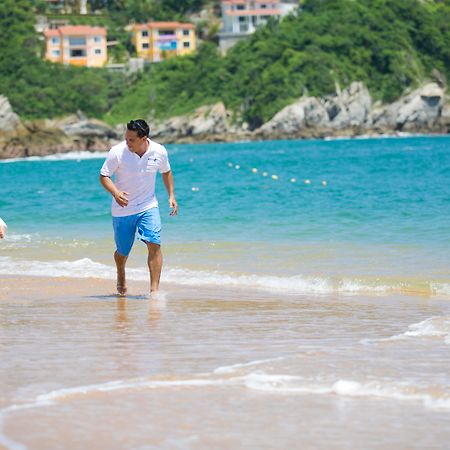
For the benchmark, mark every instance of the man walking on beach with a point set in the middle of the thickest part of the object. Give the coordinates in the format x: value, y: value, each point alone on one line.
x: 134, y: 162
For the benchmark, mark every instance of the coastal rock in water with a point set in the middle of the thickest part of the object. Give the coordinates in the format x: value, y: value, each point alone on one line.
x: 9, y: 121
x: 305, y: 113
x: 419, y: 110
x: 350, y: 108
x: 87, y: 128
x: 445, y: 115
x: 309, y: 115
x: 47, y: 137
x: 204, y: 121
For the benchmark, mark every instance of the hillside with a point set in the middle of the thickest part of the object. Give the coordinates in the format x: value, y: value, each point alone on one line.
x: 390, y: 45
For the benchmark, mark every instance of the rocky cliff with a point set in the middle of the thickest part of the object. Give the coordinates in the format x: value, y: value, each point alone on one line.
x: 45, y: 137
x: 350, y: 112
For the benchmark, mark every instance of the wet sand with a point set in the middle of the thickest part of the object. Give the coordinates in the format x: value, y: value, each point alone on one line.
x: 218, y: 368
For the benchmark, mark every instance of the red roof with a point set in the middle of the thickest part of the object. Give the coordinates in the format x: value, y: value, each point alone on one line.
x: 50, y: 33
x: 157, y: 25
x: 254, y: 12
x: 243, y: 2
x: 75, y: 30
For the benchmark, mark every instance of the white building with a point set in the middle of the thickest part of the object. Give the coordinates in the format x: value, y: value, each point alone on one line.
x: 240, y: 18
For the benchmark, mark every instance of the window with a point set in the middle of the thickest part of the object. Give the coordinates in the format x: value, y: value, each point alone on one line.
x: 186, y: 32
x: 166, y: 32
x: 98, y: 51
x: 77, y: 53
x: 55, y: 53
x: 55, y: 40
x: 240, y: 7
x: 263, y: 6
x: 242, y: 19
x: 97, y: 39
x: 186, y: 44
x: 77, y: 41
x: 145, y: 45
x: 144, y: 33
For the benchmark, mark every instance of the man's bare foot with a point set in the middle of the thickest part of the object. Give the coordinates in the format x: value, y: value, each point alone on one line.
x: 121, y: 290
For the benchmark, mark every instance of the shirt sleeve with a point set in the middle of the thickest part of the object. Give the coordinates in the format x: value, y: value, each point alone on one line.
x: 110, y: 165
x: 164, y: 165
x: 2, y: 223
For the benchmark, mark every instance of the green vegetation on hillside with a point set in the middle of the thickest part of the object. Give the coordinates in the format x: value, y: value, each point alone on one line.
x: 390, y: 45
x: 40, y: 89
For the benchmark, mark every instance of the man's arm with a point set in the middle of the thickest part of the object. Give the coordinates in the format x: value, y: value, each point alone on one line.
x: 170, y: 188
x: 121, y: 197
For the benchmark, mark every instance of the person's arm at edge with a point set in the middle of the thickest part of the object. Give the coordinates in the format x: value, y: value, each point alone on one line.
x: 170, y: 188
x: 120, y: 196
x: 3, y: 228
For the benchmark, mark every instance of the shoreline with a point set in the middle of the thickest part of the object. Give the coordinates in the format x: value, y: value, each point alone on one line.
x: 36, y: 288
x: 59, y: 153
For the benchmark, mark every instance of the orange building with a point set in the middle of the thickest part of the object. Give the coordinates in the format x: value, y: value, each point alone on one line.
x: 79, y: 45
x: 155, y: 41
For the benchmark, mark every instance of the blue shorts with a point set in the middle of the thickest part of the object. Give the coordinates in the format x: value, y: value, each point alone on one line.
x: 147, y: 223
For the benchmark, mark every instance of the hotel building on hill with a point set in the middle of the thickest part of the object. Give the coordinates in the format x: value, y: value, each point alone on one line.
x: 155, y: 41
x: 79, y: 45
x: 240, y: 18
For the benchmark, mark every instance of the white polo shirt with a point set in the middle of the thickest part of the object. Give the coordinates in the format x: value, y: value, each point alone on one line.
x: 135, y: 175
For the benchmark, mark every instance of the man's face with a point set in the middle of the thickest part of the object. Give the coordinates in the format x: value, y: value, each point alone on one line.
x: 134, y: 142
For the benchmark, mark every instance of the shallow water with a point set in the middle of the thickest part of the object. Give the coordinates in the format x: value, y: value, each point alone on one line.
x: 230, y: 369
x: 378, y: 225
x: 294, y: 315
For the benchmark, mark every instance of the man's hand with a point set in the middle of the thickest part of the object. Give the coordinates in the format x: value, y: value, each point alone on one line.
x: 121, y: 198
x: 2, y: 231
x: 174, y: 205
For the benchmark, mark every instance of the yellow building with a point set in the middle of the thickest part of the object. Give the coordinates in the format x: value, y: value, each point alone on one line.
x: 79, y: 45
x: 155, y: 41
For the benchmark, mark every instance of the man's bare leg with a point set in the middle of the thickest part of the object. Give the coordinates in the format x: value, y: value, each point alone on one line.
x: 120, y: 265
x: 154, y: 265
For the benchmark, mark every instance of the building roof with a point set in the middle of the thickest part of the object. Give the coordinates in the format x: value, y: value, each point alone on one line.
x: 243, y: 2
x: 51, y: 33
x: 75, y: 30
x: 254, y: 12
x: 157, y: 25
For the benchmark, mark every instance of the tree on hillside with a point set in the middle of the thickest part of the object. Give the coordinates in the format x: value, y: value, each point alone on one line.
x: 40, y: 89
x: 18, y: 39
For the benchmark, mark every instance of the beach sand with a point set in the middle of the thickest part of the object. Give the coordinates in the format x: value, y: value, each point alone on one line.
x: 218, y: 368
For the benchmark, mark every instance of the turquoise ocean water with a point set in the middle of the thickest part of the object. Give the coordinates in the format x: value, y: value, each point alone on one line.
x: 344, y: 216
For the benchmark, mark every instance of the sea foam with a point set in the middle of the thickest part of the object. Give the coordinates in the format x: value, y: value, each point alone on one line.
x: 298, y: 284
x: 70, y: 156
x: 433, y: 327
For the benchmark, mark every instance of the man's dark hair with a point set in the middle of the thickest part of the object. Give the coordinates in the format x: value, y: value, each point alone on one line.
x: 140, y: 126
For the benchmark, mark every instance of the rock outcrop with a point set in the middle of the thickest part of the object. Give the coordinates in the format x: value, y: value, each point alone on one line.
x: 314, y: 117
x: 349, y: 112
x: 46, y: 137
x: 9, y: 121
x: 350, y: 108
x: 444, y: 120
x: 212, y: 122
x: 305, y: 114
x: 418, y: 111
